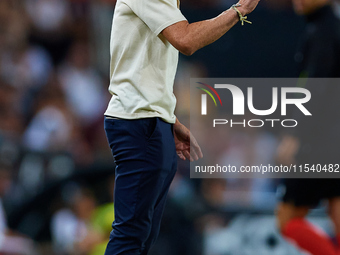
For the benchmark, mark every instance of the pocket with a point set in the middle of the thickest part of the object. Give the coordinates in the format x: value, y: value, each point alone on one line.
x: 150, y: 125
x: 108, y: 123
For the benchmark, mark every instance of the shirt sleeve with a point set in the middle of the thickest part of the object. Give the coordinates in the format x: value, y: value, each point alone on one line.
x: 156, y: 14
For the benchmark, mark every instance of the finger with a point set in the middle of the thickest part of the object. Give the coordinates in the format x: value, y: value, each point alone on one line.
x: 186, y: 153
x: 198, y: 151
x: 196, y: 147
x: 180, y: 155
x: 194, y: 154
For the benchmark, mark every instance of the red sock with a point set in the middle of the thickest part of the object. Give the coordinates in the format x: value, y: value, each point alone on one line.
x: 308, y: 237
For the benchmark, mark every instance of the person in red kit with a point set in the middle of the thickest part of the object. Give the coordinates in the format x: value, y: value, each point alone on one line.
x: 314, y: 142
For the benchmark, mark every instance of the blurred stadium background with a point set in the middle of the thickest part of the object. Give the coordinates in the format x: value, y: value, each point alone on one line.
x: 56, y: 170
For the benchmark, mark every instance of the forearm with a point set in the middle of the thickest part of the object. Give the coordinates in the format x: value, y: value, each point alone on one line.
x: 177, y: 122
x: 191, y: 37
x: 188, y: 38
x: 201, y: 34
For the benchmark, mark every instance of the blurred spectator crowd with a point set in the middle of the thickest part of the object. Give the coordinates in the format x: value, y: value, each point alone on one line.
x: 54, y: 57
x: 55, y: 165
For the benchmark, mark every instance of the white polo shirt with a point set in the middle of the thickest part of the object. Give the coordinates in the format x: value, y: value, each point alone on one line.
x: 143, y: 62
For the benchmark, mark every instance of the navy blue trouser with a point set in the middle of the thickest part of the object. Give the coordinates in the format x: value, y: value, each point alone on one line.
x: 146, y: 162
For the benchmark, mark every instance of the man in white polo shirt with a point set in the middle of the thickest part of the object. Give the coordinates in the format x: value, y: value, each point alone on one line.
x: 142, y: 130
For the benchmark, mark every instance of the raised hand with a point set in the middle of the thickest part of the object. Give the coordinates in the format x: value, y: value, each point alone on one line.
x: 247, y: 6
